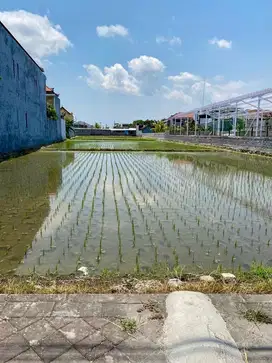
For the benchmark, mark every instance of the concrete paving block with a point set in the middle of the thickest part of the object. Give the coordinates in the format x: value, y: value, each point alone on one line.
x: 39, y: 309
x: 77, y: 330
x: 72, y: 356
x: 12, y: 346
x: 21, y: 323
x: 6, y: 329
x: 113, y: 310
x: 36, y: 297
x: 90, y: 309
x: 94, y: 346
x: 267, y: 298
x: 3, y: 297
x: 27, y: 357
x: 97, y: 323
x: 37, y: 331
x: 138, y: 348
x: 66, y: 309
x: 15, y: 309
x: 52, y: 346
x: 114, y: 356
x: 59, y: 322
x: 195, y: 332
x: 114, y: 333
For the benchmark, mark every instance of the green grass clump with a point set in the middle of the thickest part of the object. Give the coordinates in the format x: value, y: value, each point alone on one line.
x: 257, y: 316
x: 263, y: 272
x: 129, y: 325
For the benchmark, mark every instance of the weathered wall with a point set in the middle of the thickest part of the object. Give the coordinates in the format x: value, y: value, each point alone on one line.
x: 23, y: 121
x: 246, y: 143
x: 100, y: 132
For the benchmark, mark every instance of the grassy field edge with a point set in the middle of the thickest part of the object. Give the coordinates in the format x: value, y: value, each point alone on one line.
x: 258, y: 280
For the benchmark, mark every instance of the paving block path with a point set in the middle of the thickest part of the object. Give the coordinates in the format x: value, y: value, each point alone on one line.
x: 81, y: 328
x: 176, y: 328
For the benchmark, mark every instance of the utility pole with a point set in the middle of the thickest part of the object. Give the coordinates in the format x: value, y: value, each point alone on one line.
x: 204, y: 89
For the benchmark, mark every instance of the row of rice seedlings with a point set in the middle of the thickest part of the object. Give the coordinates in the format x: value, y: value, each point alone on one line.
x: 101, y: 251
x: 120, y: 252
x: 54, y: 238
x: 91, y: 213
x: 55, y: 211
x: 266, y: 230
x: 140, y: 186
x: 118, y: 161
x: 213, y: 236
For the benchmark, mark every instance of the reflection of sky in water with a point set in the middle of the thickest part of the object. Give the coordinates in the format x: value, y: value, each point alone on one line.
x: 204, y: 212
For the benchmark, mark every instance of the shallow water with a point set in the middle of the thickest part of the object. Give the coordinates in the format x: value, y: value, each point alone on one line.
x: 81, y: 144
x: 61, y: 210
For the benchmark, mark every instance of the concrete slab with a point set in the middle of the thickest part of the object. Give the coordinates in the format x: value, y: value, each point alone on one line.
x: 195, y: 332
x: 254, y: 339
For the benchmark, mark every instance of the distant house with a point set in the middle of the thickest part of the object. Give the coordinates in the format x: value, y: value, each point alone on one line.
x: 66, y: 114
x: 180, y: 119
x: 146, y: 130
x: 82, y: 124
x: 52, y: 99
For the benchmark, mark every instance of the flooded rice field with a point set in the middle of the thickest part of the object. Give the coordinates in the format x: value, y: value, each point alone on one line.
x: 125, y: 211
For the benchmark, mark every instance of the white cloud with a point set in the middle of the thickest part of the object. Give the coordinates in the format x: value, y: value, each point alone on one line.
x: 218, y: 78
x: 36, y: 33
x: 189, y: 88
x: 114, y: 78
x: 177, y: 95
x: 145, y: 64
x: 143, y: 76
x: 111, y: 31
x: 221, y: 43
x: 171, y: 41
x: 184, y: 78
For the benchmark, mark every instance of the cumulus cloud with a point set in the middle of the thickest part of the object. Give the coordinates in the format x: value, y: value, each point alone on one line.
x: 189, y: 88
x: 146, y: 64
x: 36, y: 33
x: 221, y: 43
x: 177, y: 95
x: 143, y: 76
x: 184, y: 78
x: 173, y: 41
x: 111, y: 31
x: 114, y: 78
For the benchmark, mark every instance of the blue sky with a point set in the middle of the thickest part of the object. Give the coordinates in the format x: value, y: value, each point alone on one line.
x: 156, y: 53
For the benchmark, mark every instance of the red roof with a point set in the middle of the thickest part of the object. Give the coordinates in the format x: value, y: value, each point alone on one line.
x: 51, y: 90
x: 182, y: 115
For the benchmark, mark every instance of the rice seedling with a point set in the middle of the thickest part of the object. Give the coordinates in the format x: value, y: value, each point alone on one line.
x: 151, y: 200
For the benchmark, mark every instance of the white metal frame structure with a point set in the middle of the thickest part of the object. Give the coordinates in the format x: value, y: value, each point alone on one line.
x: 252, y: 107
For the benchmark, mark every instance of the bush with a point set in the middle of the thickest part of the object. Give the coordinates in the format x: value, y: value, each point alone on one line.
x: 51, y: 113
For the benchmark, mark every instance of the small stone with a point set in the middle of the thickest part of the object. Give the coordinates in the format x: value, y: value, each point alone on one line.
x: 84, y: 270
x: 207, y: 278
x: 174, y: 282
x: 228, y: 277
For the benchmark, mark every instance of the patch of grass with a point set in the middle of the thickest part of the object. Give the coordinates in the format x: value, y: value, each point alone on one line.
x: 127, y: 145
x: 255, y: 281
x: 257, y: 272
x: 261, y: 271
x: 129, y: 325
x: 257, y: 316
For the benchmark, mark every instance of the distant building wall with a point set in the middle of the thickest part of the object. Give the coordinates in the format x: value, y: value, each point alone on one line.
x: 23, y: 121
x: 103, y: 132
